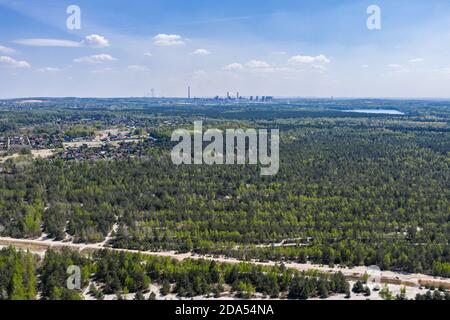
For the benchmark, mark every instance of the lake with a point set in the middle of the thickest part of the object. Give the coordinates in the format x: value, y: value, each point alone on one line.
x: 376, y: 111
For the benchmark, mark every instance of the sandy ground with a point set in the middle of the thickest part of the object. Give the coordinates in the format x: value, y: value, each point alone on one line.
x: 90, y: 144
x: 4, y: 159
x: 103, y: 134
x: 41, y: 245
x: 155, y: 288
x: 97, y: 143
x: 44, y: 154
x: 408, y: 280
x: 411, y: 292
x: 395, y: 289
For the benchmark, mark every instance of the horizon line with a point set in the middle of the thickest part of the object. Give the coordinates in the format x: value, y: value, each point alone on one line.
x: 224, y: 97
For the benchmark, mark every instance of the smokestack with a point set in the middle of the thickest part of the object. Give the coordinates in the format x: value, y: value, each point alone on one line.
x: 189, y: 92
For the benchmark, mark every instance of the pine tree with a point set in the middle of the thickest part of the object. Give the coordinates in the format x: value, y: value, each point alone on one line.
x: 18, y: 291
x: 30, y: 277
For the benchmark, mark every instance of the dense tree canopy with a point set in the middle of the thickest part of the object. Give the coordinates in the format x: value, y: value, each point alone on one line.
x: 352, y: 189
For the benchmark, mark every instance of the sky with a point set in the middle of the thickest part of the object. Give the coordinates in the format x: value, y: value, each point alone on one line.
x: 290, y: 48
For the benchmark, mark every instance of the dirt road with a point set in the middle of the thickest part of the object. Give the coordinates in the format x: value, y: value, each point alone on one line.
x: 411, y: 280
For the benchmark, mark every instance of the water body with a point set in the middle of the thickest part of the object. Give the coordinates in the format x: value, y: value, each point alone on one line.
x: 376, y: 111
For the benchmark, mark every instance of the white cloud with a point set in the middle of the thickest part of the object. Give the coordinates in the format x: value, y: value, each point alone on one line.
x: 395, y: 66
x: 10, y: 62
x: 97, y: 41
x: 48, y: 70
x: 234, y: 67
x: 200, y: 75
x: 254, y: 66
x: 148, y: 54
x: 257, y: 64
x: 98, y: 58
x: 101, y: 71
x: 416, y: 60
x: 443, y: 71
x: 365, y: 66
x: 396, y: 69
x: 279, y: 53
x: 49, y: 43
x: 138, y: 68
x: 93, y: 40
x: 6, y: 50
x: 319, y: 68
x: 168, y: 40
x: 201, y: 52
x: 308, y: 59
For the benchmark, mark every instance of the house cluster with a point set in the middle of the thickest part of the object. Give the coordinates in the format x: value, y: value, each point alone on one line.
x: 41, y: 142
x: 117, y: 137
x: 106, y: 151
x: 78, y: 139
x: 35, y: 142
x: 112, y: 145
x: 17, y: 143
x: 3, y: 144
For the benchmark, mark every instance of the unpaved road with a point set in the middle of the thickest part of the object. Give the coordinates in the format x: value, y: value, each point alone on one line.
x: 411, y: 280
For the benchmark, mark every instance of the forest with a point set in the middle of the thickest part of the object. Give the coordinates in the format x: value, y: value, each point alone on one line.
x: 23, y: 275
x: 352, y: 189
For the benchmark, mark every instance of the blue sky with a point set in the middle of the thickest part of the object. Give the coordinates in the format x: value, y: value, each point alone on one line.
x: 264, y: 47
